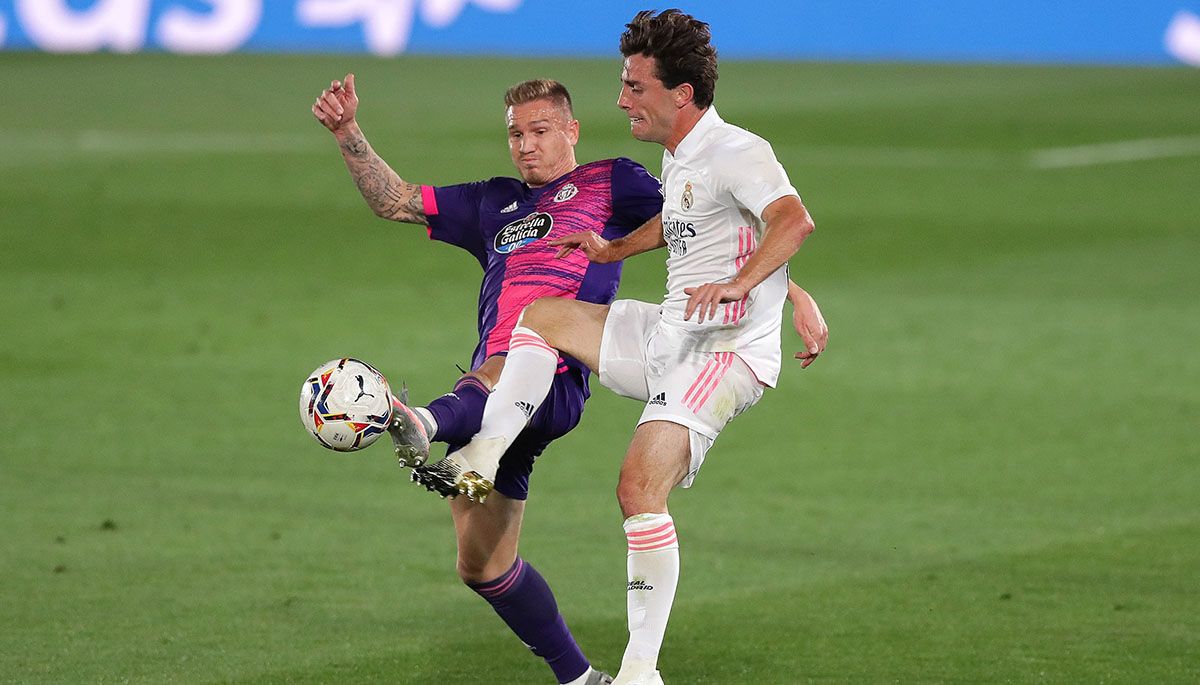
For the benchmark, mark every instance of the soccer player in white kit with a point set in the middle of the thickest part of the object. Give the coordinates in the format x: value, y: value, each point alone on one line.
x: 730, y: 221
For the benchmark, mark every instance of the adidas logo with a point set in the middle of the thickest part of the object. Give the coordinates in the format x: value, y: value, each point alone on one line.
x: 525, y: 407
x: 660, y: 399
x: 639, y: 584
x: 510, y: 208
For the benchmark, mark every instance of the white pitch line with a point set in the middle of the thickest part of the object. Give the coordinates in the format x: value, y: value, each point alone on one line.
x: 145, y: 142
x: 113, y: 142
x: 896, y: 157
x: 1115, y: 152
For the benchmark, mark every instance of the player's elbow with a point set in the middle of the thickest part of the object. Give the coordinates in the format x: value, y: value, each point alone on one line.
x: 805, y: 227
x: 797, y: 231
x: 385, y: 213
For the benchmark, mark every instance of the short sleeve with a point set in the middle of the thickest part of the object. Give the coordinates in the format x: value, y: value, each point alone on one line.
x: 452, y: 213
x: 636, y: 195
x: 755, y: 177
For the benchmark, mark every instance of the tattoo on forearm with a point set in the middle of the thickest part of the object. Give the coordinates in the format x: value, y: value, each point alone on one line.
x: 356, y: 146
x: 385, y: 192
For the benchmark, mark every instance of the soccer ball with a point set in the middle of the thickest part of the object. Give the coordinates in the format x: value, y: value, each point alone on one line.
x: 345, y: 404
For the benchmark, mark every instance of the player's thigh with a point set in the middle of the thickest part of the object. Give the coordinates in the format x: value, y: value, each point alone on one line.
x: 629, y: 330
x: 570, y: 326
x: 487, y: 534
x: 658, y: 457
x: 702, y: 391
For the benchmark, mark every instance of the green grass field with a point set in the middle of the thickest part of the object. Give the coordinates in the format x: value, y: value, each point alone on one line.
x: 991, y: 476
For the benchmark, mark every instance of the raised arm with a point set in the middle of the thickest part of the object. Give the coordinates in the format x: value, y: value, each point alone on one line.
x: 648, y: 236
x: 787, y: 225
x: 388, y: 195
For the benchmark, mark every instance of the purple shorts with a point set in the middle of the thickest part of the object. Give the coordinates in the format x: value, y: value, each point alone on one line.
x: 559, y: 413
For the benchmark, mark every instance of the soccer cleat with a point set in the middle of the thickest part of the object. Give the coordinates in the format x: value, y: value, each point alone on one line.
x: 599, y: 678
x: 441, y: 477
x: 470, y: 471
x: 408, y: 433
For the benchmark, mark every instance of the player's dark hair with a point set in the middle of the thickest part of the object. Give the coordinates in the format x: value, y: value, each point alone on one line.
x: 681, y: 46
x: 539, y: 89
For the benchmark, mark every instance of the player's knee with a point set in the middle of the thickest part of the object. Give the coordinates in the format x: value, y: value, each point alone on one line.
x: 634, y: 496
x: 471, y: 571
x: 542, y: 316
x: 538, y: 314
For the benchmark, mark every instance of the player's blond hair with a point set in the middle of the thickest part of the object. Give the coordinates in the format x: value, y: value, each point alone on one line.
x: 540, y: 89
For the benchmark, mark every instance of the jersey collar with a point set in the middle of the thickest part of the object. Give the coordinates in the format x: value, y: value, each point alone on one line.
x: 691, y: 142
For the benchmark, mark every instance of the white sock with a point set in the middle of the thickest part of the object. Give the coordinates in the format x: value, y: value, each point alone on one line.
x: 523, y: 385
x: 653, y: 565
x: 427, y: 419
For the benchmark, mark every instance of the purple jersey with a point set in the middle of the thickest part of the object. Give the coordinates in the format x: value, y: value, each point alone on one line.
x: 507, y: 226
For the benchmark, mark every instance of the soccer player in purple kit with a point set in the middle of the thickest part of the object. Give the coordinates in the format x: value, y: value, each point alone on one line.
x: 507, y: 223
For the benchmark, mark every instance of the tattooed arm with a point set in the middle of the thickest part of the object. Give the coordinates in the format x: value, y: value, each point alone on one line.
x: 388, y: 195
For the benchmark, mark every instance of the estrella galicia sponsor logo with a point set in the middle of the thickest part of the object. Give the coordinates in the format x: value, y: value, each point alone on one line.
x: 676, y: 232
x: 639, y: 584
x: 566, y: 193
x: 521, y: 232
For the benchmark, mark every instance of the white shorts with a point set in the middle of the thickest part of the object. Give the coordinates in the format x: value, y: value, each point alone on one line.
x: 645, y: 359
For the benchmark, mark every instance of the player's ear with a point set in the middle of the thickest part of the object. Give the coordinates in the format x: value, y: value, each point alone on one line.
x: 684, y: 93
x: 573, y: 131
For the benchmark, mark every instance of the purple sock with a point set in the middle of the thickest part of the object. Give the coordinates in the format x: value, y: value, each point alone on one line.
x: 523, y: 599
x: 459, y: 413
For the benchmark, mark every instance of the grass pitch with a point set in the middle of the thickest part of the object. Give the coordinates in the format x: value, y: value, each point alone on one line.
x: 991, y: 475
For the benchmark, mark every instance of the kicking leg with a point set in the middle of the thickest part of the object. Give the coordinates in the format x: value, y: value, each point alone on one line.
x: 547, y: 327
x: 453, y: 417
x: 488, y: 563
x: 658, y: 458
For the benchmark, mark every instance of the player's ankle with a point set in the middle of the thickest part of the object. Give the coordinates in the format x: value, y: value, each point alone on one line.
x: 427, y: 421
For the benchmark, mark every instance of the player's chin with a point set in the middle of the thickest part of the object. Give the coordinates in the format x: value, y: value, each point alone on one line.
x: 534, y: 177
x: 640, y: 130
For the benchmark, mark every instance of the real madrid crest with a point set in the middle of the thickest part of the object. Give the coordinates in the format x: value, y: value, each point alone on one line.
x: 566, y: 193
x: 686, y: 201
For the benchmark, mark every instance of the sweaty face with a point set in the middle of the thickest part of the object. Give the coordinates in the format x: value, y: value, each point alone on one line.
x: 646, y: 100
x: 541, y: 141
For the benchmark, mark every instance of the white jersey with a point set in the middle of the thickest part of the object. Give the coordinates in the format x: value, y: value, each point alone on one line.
x: 715, y: 188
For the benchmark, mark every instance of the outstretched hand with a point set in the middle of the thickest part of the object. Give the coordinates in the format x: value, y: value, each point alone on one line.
x: 337, y: 105
x: 590, y: 243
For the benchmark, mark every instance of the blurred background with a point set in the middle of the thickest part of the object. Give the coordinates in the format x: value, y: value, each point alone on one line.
x: 990, y: 476
x: 1074, y: 31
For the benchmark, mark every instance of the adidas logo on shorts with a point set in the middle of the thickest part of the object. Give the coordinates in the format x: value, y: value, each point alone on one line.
x: 525, y: 407
x: 660, y: 399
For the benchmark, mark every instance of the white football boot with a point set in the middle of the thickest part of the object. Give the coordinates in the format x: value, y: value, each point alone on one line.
x: 408, y: 433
